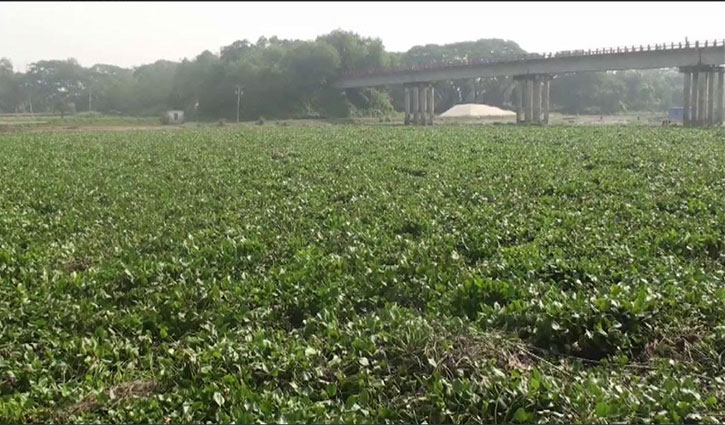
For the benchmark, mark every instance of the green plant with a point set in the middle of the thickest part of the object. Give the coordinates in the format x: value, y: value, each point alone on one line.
x: 362, y: 274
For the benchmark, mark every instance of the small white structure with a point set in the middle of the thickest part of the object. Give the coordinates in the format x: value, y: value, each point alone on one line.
x: 172, y: 117
x: 477, y: 110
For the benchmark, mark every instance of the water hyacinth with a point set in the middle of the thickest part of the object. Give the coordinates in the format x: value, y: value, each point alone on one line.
x: 370, y: 274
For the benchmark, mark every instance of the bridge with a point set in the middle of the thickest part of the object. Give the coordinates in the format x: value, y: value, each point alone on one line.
x: 701, y: 64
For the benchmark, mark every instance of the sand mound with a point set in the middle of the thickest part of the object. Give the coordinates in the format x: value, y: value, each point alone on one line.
x: 477, y: 110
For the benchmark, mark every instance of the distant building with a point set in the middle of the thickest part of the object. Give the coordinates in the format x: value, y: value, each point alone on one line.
x: 172, y: 117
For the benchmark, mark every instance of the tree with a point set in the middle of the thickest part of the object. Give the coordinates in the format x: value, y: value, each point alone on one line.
x: 112, y: 88
x: 153, y: 88
x: 356, y: 52
x: 65, y: 108
x: 359, y: 53
x: 9, y: 86
x: 55, y: 81
x: 308, y: 67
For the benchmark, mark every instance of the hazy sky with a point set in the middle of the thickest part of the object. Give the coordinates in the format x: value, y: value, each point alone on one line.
x: 129, y: 34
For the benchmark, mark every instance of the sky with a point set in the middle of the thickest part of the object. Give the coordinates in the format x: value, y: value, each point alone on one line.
x: 131, y: 34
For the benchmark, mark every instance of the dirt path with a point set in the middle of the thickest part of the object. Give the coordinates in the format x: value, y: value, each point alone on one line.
x: 103, y: 128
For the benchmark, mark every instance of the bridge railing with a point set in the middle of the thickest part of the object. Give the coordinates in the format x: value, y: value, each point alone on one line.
x: 527, y: 56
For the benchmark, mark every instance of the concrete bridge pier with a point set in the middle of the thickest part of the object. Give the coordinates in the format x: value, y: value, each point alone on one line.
x: 537, y: 99
x: 695, y: 99
x: 416, y: 103
x: 520, y: 102
x: 406, y: 105
x: 702, y: 117
x: 422, y: 103
x: 703, y: 96
x: 406, y: 102
x: 431, y: 103
x: 686, y: 98
x: 529, y: 111
x: 720, y: 96
x: 547, y: 92
x: 528, y: 93
x: 711, y: 79
x: 532, y: 102
x: 419, y: 104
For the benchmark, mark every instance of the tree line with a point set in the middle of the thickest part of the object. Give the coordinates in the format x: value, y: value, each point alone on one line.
x: 289, y: 78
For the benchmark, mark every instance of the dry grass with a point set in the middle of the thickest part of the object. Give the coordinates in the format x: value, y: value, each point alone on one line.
x: 117, y: 393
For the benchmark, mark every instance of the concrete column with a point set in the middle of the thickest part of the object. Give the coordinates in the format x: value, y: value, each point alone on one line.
x: 686, y: 99
x: 702, y: 100
x: 431, y: 104
x: 537, y: 99
x: 407, y: 105
x: 547, y: 92
x: 695, y: 99
x: 416, y: 102
x: 521, y: 86
x: 423, y: 96
x: 528, y: 100
x: 531, y: 94
x: 720, y: 96
x: 710, y: 98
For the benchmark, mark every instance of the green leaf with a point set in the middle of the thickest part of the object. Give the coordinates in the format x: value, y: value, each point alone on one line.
x: 522, y: 416
x: 602, y: 409
x: 219, y: 398
x: 331, y: 390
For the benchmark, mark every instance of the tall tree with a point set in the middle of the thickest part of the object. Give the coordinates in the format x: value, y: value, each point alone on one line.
x: 54, y: 81
x: 9, y: 87
x: 153, y: 88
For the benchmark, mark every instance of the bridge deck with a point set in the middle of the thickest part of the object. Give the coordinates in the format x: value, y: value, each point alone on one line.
x: 711, y: 55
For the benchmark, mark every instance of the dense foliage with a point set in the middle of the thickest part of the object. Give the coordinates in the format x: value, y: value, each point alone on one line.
x: 363, y: 274
x: 617, y: 91
x: 289, y: 78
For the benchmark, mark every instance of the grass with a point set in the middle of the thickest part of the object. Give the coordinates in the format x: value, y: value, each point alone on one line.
x: 363, y: 274
x: 40, y: 121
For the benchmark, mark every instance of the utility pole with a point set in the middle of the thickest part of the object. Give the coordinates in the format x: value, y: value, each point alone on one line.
x: 89, y: 101
x: 239, y: 95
